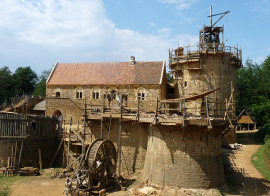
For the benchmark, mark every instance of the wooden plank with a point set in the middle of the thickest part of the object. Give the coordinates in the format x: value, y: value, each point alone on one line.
x: 18, y: 165
x: 40, y: 159
x: 14, y: 157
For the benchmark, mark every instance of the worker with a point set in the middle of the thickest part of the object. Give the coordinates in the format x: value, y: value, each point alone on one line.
x: 33, y: 124
x: 68, y: 187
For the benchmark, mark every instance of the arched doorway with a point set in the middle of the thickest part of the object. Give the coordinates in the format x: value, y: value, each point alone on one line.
x: 57, y: 113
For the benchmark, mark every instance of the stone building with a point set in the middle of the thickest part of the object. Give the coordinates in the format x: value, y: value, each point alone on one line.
x: 71, y: 84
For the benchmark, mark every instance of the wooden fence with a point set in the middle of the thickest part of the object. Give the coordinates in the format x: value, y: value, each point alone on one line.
x: 23, y: 126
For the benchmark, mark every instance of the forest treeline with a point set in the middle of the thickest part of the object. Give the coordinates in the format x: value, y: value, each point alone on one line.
x: 23, y: 81
x: 253, y: 81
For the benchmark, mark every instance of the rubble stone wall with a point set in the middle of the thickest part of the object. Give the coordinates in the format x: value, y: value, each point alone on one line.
x: 216, y: 71
x: 69, y: 105
x: 180, y: 158
x: 133, y: 141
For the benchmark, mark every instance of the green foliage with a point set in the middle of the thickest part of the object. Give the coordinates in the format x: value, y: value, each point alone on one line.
x: 169, y: 78
x: 4, y: 188
x: 253, y: 83
x: 24, y: 80
x: 6, y: 82
x: 263, y: 134
x: 40, y: 89
x: 261, y: 160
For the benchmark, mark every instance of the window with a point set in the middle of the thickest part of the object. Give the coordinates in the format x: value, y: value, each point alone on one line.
x: 185, y: 83
x: 96, y: 95
x: 141, y: 96
x: 57, y: 94
x: 79, y: 95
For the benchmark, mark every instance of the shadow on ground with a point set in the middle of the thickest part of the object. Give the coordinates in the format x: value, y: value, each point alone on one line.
x: 238, y: 180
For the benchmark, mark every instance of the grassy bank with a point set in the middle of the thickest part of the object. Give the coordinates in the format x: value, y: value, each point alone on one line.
x: 261, y: 160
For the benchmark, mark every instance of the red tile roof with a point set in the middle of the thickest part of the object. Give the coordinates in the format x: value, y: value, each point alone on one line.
x: 108, y: 73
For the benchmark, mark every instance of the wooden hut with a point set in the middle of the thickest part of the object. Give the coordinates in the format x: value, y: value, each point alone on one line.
x: 245, y: 120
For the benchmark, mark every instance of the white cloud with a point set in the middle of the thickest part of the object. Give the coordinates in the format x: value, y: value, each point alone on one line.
x: 260, y: 59
x: 180, y: 4
x: 164, y: 31
x: 262, y: 8
x: 40, y: 33
x: 152, y: 24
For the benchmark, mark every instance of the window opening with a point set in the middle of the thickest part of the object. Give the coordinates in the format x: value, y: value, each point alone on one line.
x: 96, y: 95
x: 57, y: 94
x: 79, y: 95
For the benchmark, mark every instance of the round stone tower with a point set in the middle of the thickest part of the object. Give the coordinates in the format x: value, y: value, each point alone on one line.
x: 205, y: 67
x: 205, y: 78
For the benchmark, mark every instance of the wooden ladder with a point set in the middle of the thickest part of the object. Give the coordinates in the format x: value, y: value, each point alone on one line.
x: 56, y: 153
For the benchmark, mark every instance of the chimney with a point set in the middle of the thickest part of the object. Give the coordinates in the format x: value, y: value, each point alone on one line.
x: 132, y: 60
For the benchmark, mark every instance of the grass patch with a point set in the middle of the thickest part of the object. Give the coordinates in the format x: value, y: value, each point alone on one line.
x: 7, y: 182
x: 260, y: 162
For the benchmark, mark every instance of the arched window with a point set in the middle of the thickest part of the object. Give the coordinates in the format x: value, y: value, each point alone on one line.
x: 57, y: 94
x: 141, y: 94
x: 79, y: 93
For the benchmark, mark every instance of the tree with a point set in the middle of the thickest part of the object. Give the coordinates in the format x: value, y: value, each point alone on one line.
x: 40, y: 89
x: 169, y: 78
x: 6, y: 82
x: 24, y: 80
x: 253, y: 83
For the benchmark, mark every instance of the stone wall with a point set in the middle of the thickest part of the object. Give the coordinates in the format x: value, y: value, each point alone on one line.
x: 177, y: 158
x: 216, y: 71
x: 30, y: 155
x: 134, y: 141
x: 69, y: 105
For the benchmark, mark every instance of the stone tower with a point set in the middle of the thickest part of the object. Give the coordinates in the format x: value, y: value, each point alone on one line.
x: 190, y: 156
x: 207, y: 66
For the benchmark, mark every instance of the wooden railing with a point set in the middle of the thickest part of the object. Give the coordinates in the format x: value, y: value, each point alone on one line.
x: 192, y: 52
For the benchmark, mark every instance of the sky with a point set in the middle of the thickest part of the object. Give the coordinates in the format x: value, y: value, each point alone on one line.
x: 37, y: 33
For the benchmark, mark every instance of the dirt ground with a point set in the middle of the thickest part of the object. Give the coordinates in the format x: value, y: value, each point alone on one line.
x: 241, y: 176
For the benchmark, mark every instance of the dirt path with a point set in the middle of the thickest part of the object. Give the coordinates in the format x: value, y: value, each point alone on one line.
x: 241, y: 176
x: 39, y: 185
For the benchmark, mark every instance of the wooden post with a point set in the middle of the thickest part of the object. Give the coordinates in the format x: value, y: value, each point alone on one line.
x: 102, y: 99
x: 14, y: 158
x: 40, y: 159
x: 83, y: 147
x: 110, y: 127
x: 101, y: 128
x: 11, y: 163
x: 18, y: 165
x: 70, y: 123
x: 78, y: 124
x: 138, y: 113
x: 120, y: 135
x: 155, y: 120
x: 207, y: 114
x: 184, y: 112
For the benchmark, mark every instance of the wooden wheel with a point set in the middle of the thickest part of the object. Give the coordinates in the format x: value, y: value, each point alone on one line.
x: 101, y: 161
